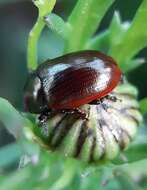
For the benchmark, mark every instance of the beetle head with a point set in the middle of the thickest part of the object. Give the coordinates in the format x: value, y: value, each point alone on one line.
x: 34, y: 97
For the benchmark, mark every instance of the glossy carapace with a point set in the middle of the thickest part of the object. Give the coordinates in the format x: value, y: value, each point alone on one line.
x: 70, y: 81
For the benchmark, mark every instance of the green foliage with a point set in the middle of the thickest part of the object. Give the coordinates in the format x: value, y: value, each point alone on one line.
x: 133, y: 40
x: 57, y: 24
x: 46, y: 170
x: 87, y: 14
x: 143, y: 105
x: 110, y: 37
x: 44, y: 8
x: 13, y: 150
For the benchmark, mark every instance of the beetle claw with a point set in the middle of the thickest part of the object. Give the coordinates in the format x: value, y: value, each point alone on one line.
x: 77, y: 112
x: 112, y: 98
x: 43, y: 117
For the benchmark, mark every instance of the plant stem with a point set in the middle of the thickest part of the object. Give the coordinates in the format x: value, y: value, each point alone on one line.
x: 44, y: 8
x: 32, y: 43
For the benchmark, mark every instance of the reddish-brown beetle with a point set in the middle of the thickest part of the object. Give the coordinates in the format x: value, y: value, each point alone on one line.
x: 67, y: 82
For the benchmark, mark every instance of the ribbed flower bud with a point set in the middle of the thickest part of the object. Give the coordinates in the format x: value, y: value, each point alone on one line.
x: 110, y: 127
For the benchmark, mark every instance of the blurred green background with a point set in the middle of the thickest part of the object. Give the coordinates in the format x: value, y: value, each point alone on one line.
x: 16, y: 19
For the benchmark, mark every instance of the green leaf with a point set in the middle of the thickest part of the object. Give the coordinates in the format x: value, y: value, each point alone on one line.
x: 91, y: 182
x: 126, y: 182
x: 135, y: 169
x: 44, y: 6
x: 110, y: 37
x: 134, y: 39
x: 67, y: 175
x: 20, y: 127
x: 9, y: 154
x: 11, y: 118
x: 135, y: 63
x: 84, y: 20
x: 99, y: 42
x: 143, y: 105
x: 117, y: 29
x: 51, y: 172
x: 17, y: 180
x: 57, y: 24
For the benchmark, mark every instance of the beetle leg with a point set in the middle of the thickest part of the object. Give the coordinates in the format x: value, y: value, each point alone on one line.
x: 95, y: 102
x: 104, y: 106
x: 112, y: 98
x: 99, y: 102
x: 76, y: 111
x: 43, y: 117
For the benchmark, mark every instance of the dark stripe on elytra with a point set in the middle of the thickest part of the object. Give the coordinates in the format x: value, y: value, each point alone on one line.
x: 55, y: 129
x: 64, y: 82
x: 64, y: 131
x: 71, y: 74
x: 71, y: 88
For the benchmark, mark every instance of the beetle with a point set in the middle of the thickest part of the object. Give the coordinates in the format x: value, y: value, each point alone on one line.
x: 65, y: 83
